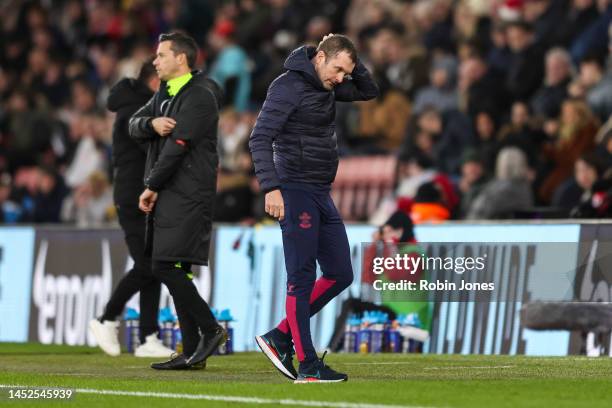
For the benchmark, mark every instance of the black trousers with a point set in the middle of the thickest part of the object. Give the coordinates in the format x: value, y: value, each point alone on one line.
x: 139, y: 278
x: 194, y: 315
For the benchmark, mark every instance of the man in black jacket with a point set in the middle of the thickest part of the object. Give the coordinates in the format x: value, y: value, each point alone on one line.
x: 125, y: 98
x: 295, y: 155
x: 180, y: 125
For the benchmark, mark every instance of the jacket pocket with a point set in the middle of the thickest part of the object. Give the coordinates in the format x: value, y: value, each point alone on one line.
x: 169, y: 209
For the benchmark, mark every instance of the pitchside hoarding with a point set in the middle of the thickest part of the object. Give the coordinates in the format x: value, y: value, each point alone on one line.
x: 16, y: 250
x: 73, y: 276
x: 57, y: 279
x: 251, y: 283
x: 74, y: 272
x: 494, y: 327
x: 594, y: 274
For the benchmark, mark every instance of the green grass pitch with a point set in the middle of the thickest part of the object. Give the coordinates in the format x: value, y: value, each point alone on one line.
x: 248, y: 379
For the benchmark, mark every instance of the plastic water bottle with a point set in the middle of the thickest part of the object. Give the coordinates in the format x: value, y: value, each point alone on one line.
x: 377, y: 328
x: 350, y: 334
x: 355, y: 324
x: 224, y: 318
x: 393, y: 338
x: 414, y: 320
x: 132, y: 329
x: 411, y: 345
x: 365, y: 334
x: 167, y: 322
x: 178, y: 338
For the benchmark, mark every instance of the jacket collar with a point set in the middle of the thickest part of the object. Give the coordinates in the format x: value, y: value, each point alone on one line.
x: 300, y: 61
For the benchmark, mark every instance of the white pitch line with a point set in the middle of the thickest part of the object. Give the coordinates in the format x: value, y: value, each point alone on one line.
x: 429, y: 368
x: 381, y: 363
x: 224, y: 398
x: 466, y: 367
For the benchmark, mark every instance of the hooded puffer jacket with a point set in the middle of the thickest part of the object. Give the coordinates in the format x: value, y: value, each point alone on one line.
x: 294, y: 138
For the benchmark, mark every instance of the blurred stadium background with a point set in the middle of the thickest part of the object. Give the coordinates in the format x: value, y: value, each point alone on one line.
x: 493, y: 125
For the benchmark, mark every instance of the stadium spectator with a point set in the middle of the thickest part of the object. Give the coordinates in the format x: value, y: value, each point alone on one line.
x: 441, y: 93
x: 508, y: 192
x: 526, y: 68
x: 423, y: 132
x: 575, y: 136
x: 580, y: 14
x: 59, y: 59
x: 49, y: 197
x: 558, y: 73
x: 457, y: 135
x: 234, y: 196
x: 597, y: 85
x: 523, y: 131
x: 26, y: 129
x: 10, y: 211
x: 429, y: 206
x: 91, y: 203
x: 594, y: 38
x: 414, y: 170
x: 499, y: 55
x: 577, y: 191
x: 231, y: 65
x: 485, y: 126
x: 472, y: 181
x: 480, y: 87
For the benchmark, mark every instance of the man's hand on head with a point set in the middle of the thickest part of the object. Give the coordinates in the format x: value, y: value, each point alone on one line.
x: 163, y: 125
x: 325, y: 38
x: 275, y: 206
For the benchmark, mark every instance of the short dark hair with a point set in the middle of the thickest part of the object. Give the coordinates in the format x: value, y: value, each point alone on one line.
x: 182, y: 44
x: 147, y: 70
x: 593, y: 161
x: 337, y: 43
x: 594, y: 58
x: 521, y: 24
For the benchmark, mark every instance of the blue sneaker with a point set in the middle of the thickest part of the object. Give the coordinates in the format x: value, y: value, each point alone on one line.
x: 278, y: 352
x: 319, y: 372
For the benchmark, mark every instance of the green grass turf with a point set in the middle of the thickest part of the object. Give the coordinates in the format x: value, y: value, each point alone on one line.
x: 411, y: 380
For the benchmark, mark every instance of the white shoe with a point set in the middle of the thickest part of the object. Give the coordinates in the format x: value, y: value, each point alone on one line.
x: 107, y: 336
x: 153, y: 347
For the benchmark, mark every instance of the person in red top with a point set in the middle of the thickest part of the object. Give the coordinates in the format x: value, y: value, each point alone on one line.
x: 395, y: 236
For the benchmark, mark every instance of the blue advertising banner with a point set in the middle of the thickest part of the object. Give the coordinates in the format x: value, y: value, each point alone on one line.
x: 469, y: 328
x: 16, y: 256
x: 250, y: 280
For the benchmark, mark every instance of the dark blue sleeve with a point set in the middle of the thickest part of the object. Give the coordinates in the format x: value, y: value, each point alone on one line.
x: 281, y: 101
x: 361, y: 86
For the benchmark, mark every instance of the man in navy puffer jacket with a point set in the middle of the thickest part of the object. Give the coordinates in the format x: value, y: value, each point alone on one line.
x: 295, y: 155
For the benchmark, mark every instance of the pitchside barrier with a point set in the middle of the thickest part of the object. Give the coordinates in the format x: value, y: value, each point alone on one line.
x: 53, y: 280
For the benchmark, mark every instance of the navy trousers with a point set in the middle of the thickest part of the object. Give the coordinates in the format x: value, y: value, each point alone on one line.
x: 312, y: 231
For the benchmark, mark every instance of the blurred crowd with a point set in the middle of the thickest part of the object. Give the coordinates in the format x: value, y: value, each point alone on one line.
x: 493, y: 108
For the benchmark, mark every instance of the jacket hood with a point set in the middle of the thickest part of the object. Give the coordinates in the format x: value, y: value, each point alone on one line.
x: 299, y: 60
x: 200, y: 79
x: 126, y: 92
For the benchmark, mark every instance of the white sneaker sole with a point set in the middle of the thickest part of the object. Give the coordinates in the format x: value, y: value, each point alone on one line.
x: 147, y: 354
x: 317, y: 381
x: 98, y: 335
x: 272, y: 357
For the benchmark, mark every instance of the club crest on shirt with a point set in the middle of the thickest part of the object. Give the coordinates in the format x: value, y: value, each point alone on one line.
x: 305, y: 220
